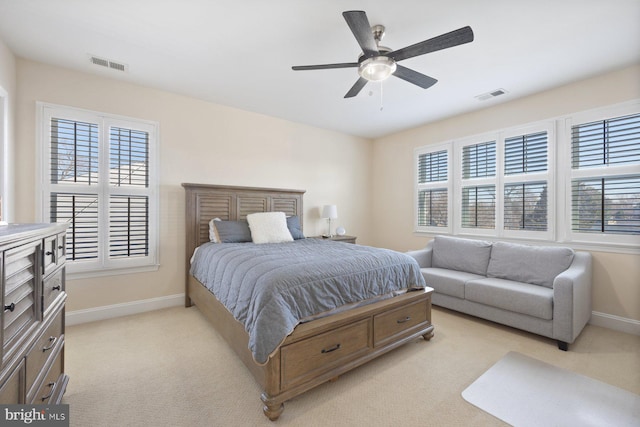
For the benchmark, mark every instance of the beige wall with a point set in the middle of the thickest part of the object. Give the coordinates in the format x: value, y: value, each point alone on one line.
x: 8, y: 83
x: 200, y: 142
x: 616, y: 276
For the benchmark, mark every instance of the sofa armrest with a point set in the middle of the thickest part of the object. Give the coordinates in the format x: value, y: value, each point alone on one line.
x: 572, y: 298
x: 423, y: 256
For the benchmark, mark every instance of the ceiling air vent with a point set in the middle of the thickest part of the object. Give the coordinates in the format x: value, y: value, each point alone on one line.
x: 489, y: 95
x: 107, y: 63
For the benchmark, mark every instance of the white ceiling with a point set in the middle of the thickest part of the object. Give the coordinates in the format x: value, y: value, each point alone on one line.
x: 239, y: 53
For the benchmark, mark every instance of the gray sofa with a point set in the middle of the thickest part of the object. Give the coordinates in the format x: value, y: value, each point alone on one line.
x: 541, y: 289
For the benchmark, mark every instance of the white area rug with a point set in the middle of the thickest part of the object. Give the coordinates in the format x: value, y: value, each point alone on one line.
x: 527, y: 392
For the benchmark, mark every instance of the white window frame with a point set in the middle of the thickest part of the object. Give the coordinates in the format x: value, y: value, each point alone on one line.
x: 459, y: 183
x: 548, y: 176
x: 448, y: 184
x: 4, y: 156
x: 594, y: 239
x: 103, y: 265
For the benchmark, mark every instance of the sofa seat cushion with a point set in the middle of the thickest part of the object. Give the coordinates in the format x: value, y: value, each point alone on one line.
x: 454, y: 253
x: 537, y: 265
x: 449, y: 282
x: 524, y: 298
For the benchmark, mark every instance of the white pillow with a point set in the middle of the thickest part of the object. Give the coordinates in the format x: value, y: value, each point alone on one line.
x: 213, y: 233
x: 269, y: 227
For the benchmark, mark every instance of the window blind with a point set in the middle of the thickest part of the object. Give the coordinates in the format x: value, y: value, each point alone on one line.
x: 128, y: 157
x: 479, y: 207
x: 432, y: 208
x: 525, y: 154
x: 81, y: 212
x: 600, y: 201
x: 432, y: 167
x: 74, y: 152
x: 525, y: 206
x: 128, y: 226
x: 606, y: 142
x: 606, y: 205
x: 479, y: 160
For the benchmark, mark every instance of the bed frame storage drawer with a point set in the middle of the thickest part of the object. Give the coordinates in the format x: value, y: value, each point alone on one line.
x: 313, y: 356
x: 390, y: 325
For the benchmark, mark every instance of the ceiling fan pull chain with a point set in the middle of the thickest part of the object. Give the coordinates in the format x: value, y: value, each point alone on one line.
x: 381, y: 100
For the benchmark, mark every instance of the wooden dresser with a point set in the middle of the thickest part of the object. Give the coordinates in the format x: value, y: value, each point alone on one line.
x: 32, y: 274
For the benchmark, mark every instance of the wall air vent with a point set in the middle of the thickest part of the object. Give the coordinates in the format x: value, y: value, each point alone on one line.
x: 489, y: 95
x: 107, y: 63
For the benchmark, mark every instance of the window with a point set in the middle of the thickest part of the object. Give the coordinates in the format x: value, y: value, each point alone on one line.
x: 99, y: 177
x: 479, y: 186
x: 525, y: 193
x: 605, y: 177
x: 433, y: 189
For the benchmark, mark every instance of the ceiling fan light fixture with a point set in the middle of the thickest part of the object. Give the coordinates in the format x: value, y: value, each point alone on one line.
x: 377, y: 68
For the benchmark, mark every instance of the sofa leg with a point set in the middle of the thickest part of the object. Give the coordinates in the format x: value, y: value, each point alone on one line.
x: 563, y: 345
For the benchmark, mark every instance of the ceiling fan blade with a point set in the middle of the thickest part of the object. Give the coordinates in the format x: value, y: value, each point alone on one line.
x: 444, y: 41
x: 356, y: 88
x: 325, y: 66
x: 414, y: 77
x: 359, y: 25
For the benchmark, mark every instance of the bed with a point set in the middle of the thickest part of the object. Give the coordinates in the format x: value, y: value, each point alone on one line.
x: 318, y: 350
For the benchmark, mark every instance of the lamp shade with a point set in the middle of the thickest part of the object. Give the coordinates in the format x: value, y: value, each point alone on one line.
x: 330, y: 211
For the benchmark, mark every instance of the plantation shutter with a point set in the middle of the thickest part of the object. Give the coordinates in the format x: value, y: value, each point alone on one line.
x: 602, y: 201
x: 432, y: 209
x: 525, y: 154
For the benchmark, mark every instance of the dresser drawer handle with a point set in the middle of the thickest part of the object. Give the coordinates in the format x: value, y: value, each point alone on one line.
x: 406, y: 319
x: 10, y: 307
x: 48, y: 253
x: 56, y: 288
x: 60, y: 247
x: 52, y: 340
x: 50, y: 392
x: 329, y: 350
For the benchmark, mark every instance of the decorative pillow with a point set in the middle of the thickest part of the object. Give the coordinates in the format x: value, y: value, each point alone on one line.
x: 269, y: 227
x: 537, y: 265
x: 293, y: 224
x: 454, y: 253
x: 233, y: 231
x: 213, y: 233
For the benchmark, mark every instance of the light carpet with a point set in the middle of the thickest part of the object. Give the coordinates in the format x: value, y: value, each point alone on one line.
x: 170, y: 368
x: 524, y: 391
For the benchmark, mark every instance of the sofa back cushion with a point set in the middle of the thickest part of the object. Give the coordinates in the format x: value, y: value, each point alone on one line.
x: 537, y: 265
x: 458, y: 254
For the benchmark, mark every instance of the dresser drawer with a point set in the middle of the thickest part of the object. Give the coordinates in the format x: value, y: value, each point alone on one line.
x: 321, y: 353
x: 390, y: 324
x: 11, y: 389
x: 48, y: 386
x: 52, y: 288
x: 43, y: 349
x: 49, y: 254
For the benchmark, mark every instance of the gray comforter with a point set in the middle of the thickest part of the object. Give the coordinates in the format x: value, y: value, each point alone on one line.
x: 270, y: 288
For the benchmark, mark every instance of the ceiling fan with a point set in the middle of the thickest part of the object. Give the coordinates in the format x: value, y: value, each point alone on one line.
x: 376, y: 63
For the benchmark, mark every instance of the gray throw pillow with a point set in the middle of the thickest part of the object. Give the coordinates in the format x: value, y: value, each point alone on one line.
x: 293, y: 224
x: 537, y: 265
x: 453, y: 253
x: 233, y: 231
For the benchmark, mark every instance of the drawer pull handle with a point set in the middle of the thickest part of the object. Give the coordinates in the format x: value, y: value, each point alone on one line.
x: 406, y: 319
x: 52, y: 340
x: 48, y: 253
x: 329, y: 350
x: 50, y: 393
x: 10, y: 307
x: 56, y: 288
x: 60, y: 247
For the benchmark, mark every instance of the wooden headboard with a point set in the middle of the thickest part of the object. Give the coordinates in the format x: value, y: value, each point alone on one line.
x: 230, y: 203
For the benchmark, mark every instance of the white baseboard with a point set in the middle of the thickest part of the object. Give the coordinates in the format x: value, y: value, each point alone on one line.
x: 110, y: 311
x: 616, y: 323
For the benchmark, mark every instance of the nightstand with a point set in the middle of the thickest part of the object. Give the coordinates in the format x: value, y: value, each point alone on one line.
x: 336, y: 238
